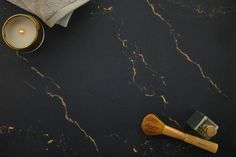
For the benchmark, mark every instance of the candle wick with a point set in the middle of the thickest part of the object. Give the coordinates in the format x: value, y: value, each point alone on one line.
x: 21, y: 31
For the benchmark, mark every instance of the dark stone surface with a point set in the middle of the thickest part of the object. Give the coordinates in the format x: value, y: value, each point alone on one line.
x: 108, y: 86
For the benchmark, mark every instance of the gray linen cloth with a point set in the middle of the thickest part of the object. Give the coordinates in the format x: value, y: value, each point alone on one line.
x: 51, y: 11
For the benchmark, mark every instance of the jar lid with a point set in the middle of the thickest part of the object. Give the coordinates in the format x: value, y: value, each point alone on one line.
x: 210, y: 130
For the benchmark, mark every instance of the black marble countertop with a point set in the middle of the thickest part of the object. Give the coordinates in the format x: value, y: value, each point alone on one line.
x: 86, y: 90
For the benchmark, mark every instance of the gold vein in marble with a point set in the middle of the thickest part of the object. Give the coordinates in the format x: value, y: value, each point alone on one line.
x: 143, y: 59
x: 7, y: 127
x: 139, y: 57
x: 158, y: 14
x: 147, y: 92
x: 72, y: 121
x: 164, y: 99
x: 150, y: 94
x: 30, y: 85
x: 134, y: 149
x: 67, y: 117
x: 142, y: 89
x: 147, y: 66
x: 36, y: 71
x: 21, y: 57
x: 50, y: 141
x: 208, y: 12
x: 123, y: 41
x: 105, y: 8
x: 108, y: 9
x: 186, y: 56
x: 146, y: 144
x: 134, y: 72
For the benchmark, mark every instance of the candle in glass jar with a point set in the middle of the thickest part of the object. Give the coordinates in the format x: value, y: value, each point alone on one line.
x: 23, y: 33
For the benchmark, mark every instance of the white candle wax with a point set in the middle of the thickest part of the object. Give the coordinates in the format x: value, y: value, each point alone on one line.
x: 20, y: 32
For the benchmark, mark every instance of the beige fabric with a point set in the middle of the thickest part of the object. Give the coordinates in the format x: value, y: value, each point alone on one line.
x: 51, y: 11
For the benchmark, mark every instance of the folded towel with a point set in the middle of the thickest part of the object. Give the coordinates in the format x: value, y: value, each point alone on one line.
x: 51, y: 11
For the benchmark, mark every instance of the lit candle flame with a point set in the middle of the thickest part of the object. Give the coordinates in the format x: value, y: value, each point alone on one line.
x: 21, y: 31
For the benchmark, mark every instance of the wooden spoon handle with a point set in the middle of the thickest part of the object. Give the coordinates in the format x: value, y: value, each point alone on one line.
x: 201, y: 143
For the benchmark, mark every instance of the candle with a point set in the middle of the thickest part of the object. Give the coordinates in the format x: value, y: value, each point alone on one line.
x: 23, y: 33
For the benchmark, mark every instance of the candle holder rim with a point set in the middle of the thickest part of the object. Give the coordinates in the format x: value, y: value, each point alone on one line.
x: 35, y: 22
